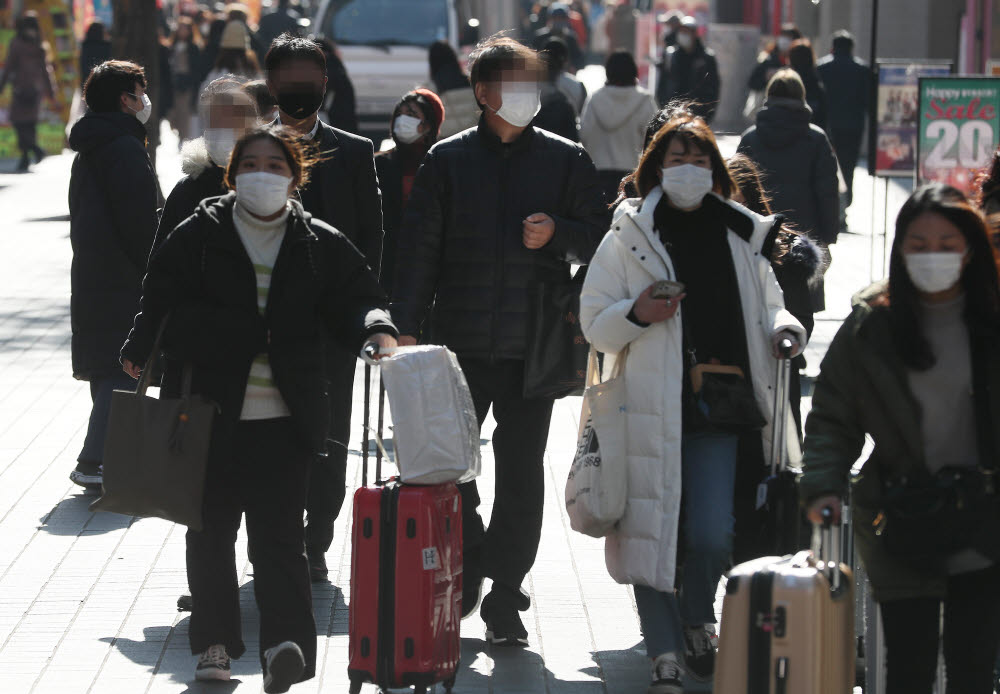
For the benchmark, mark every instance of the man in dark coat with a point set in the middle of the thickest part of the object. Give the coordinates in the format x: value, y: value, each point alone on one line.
x: 559, y: 26
x: 848, y: 87
x: 343, y: 192
x: 495, y: 211
x: 690, y: 72
x: 112, y: 205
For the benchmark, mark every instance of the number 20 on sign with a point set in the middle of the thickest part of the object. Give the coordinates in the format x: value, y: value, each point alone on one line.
x: 959, y: 128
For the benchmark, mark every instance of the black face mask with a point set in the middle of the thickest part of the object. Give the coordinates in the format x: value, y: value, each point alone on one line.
x: 300, y: 103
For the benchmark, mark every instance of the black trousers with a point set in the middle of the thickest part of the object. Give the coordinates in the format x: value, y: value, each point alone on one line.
x: 847, y: 146
x: 971, y: 635
x: 266, y: 478
x: 328, y: 477
x: 505, y: 551
x: 27, y: 137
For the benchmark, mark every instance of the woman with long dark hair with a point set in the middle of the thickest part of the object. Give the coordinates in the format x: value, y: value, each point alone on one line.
x: 29, y: 72
x: 713, y: 329
x: 250, y: 289
x: 916, y: 367
x: 802, y: 59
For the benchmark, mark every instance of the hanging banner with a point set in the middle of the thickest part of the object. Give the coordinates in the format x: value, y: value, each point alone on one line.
x: 896, y: 114
x: 959, y: 128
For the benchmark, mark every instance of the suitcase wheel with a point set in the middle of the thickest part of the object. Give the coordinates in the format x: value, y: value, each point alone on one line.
x: 449, y: 684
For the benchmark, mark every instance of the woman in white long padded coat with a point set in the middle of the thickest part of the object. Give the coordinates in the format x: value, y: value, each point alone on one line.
x: 683, y: 228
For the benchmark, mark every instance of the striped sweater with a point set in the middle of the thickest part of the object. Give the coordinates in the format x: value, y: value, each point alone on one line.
x: 262, y: 241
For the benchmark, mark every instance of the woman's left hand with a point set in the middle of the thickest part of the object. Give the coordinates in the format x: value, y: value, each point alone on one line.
x: 777, y: 339
x: 385, y: 343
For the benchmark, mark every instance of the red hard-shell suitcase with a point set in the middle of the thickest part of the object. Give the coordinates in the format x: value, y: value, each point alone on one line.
x: 406, y: 582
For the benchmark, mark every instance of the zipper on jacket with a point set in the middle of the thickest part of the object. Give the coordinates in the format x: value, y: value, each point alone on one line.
x: 387, y: 587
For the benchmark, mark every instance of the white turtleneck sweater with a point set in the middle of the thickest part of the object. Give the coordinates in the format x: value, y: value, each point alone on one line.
x: 262, y: 241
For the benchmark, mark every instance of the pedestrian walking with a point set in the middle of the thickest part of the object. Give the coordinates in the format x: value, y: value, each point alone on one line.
x: 689, y: 72
x: 29, y: 72
x: 228, y: 113
x: 557, y: 53
x: 453, y: 88
x: 915, y: 368
x: 614, y: 122
x: 340, y: 103
x: 621, y: 26
x: 185, y: 65
x: 94, y: 50
x: 729, y: 315
x: 802, y: 59
x: 280, y: 20
x: 557, y: 114
x: 558, y: 25
x: 848, y: 88
x: 251, y: 284
x: 343, y: 192
x: 493, y: 213
x: 416, y: 122
x: 796, y: 163
x: 235, y: 56
x: 112, y: 208
x: 772, y: 59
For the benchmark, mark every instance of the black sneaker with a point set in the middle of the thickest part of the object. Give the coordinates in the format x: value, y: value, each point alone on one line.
x: 699, y: 658
x: 213, y: 665
x: 318, y: 571
x: 666, y: 676
x: 184, y: 603
x: 503, y: 623
x: 88, y: 475
x: 283, y: 666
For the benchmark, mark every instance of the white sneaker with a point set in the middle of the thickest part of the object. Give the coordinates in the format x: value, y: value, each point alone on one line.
x: 666, y: 676
x: 283, y: 667
x: 213, y: 665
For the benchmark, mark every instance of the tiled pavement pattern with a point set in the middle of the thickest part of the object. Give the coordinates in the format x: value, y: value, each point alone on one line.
x: 87, y: 600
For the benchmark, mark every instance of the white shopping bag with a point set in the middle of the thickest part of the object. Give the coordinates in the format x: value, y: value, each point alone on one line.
x: 597, y: 486
x: 435, y: 430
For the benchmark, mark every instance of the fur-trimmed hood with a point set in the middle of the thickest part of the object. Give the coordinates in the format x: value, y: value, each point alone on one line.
x: 194, y: 157
x: 805, y: 260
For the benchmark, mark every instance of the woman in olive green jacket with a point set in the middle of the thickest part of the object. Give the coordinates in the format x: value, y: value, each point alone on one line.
x: 916, y: 367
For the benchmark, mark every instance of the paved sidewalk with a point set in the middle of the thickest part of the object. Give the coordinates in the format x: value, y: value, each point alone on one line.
x: 87, y: 600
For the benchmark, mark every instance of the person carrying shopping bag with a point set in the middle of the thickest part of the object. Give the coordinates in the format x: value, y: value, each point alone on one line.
x: 916, y: 366
x: 698, y: 374
x: 250, y: 286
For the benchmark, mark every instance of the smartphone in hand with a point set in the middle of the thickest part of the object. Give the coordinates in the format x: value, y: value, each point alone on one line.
x: 667, y: 289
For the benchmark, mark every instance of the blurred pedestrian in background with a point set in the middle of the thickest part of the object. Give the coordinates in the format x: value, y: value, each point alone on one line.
x: 848, y: 90
x: 797, y: 164
x: 802, y: 59
x: 452, y: 86
x: 671, y: 22
x: 185, y: 66
x: 567, y: 83
x: 772, y: 59
x: 416, y: 122
x: 557, y: 114
x: 94, y: 50
x: 558, y: 25
x: 278, y: 21
x: 915, y: 369
x: 112, y: 208
x: 621, y: 26
x: 28, y: 70
x: 614, y: 122
x: 339, y: 104
x: 689, y: 72
x: 267, y: 107
x: 235, y: 56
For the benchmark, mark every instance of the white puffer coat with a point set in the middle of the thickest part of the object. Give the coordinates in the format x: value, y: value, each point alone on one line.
x: 642, y: 549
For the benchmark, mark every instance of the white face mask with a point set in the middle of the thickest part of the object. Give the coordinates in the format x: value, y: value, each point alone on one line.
x: 262, y: 193
x: 521, y: 101
x: 147, y: 108
x: 784, y: 43
x: 220, y: 143
x: 686, y: 185
x: 934, y: 272
x: 407, y: 129
x: 685, y: 41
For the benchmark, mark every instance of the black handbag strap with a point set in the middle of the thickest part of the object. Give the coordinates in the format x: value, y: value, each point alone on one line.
x: 146, y: 376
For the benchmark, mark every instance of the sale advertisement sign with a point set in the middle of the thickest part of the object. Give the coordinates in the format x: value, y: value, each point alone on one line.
x: 896, y: 114
x: 959, y: 129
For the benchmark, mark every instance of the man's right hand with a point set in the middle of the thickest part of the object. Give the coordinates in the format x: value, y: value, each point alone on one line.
x: 407, y: 341
x: 131, y: 369
x: 650, y: 310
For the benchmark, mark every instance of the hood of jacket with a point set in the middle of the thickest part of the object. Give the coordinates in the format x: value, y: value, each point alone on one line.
x: 194, y: 157
x: 614, y: 106
x: 782, y: 122
x: 95, y: 130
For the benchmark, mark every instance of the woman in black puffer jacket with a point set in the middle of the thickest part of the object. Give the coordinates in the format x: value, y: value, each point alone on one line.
x: 797, y: 164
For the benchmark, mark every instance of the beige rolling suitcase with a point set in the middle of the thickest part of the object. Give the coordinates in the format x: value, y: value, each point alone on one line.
x: 788, y: 626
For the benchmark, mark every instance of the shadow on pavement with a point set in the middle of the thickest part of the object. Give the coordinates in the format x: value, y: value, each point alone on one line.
x: 72, y: 516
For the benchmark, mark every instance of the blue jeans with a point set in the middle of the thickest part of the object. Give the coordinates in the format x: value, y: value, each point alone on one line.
x: 708, y: 472
x: 97, y: 429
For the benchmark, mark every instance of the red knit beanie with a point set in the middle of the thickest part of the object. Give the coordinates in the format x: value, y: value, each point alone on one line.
x: 436, y: 106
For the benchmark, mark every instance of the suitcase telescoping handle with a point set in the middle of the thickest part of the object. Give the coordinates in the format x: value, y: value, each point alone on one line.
x: 828, y: 540
x: 779, y: 424
x: 370, y: 351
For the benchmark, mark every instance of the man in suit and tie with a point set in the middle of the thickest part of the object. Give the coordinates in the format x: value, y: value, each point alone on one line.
x: 343, y: 192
